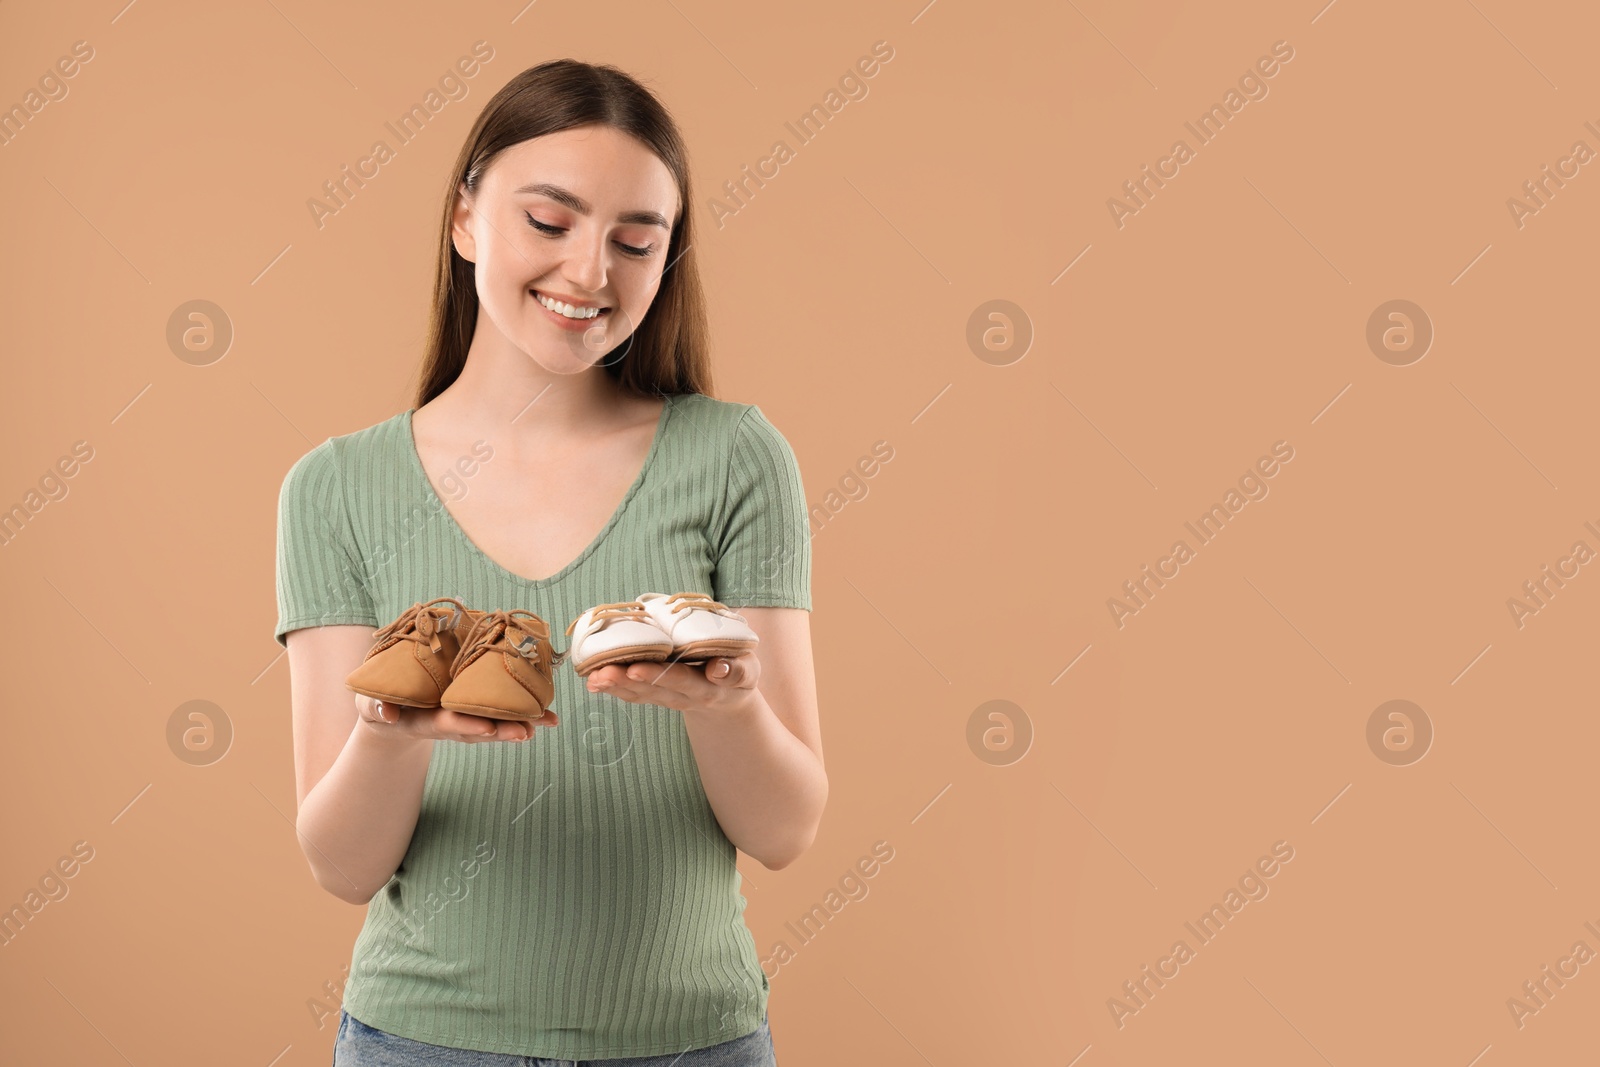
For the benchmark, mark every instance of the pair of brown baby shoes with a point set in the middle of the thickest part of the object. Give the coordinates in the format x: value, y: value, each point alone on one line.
x: 441, y: 653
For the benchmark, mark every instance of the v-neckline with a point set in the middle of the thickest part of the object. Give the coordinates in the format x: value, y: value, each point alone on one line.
x: 421, y: 472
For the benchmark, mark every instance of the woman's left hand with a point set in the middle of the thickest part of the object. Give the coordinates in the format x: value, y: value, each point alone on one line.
x: 725, y: 683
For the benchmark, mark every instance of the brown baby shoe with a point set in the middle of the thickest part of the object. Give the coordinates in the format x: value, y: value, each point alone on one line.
x: 409, y: 662
x: 505, y: 668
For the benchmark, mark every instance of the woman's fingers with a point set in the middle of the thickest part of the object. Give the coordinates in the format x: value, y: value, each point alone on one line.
x: 720, y: 672
x: 443, y: 724
x: 738, y: 672
x: 683, y: 686
x: 376, y: 711
x: 465, y: 727
x: 478, y: 728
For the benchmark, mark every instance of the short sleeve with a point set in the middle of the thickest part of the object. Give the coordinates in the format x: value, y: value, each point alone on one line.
x: 763, y: 545
x: 320, y: 577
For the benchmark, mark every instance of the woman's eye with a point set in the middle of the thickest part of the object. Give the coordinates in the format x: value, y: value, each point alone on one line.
x: 553, y: 231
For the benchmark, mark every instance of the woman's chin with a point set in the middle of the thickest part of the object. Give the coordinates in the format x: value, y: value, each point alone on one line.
x: 576, y: 352
x: 562, y: 359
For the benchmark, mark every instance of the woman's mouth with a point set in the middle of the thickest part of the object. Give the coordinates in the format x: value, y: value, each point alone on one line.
x: 568, y: 316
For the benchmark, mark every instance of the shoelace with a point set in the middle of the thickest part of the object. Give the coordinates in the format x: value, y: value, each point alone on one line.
x: 506, y: 630
x: 701, y: 601
x: 605, y: 613
x: 422, y: 623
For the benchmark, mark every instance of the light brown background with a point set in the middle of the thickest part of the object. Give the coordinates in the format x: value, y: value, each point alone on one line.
x: 1227, y: 315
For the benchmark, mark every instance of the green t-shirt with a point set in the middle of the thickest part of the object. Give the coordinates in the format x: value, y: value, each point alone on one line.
x: 573, y: 896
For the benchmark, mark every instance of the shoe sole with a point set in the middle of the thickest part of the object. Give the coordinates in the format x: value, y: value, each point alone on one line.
x: 389, y: 698
x: 701, y: 651
x: 626, y: 654
x: 493, y: 713
x: 693, y: 653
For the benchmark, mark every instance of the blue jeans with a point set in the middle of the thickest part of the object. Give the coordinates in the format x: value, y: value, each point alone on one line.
x: 360, y: 1045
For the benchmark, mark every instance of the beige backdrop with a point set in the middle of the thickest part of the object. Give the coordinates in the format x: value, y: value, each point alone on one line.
x: 1065, y: 373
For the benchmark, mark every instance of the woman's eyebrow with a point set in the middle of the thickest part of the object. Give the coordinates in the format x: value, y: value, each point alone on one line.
x: 581, y: 206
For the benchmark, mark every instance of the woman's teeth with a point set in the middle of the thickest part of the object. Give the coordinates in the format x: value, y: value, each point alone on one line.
x: 566, y: 309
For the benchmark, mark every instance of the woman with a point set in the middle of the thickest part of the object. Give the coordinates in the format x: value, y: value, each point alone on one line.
x: 574, y: 897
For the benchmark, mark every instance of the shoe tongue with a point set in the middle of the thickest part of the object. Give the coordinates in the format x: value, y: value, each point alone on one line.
x: 519, y: 635
x: 512, y: 629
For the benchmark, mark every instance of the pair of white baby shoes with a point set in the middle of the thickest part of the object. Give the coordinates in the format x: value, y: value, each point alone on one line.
x: 654, y: 627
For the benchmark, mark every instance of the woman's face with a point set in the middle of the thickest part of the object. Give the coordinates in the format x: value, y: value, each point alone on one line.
x: 582, y: 217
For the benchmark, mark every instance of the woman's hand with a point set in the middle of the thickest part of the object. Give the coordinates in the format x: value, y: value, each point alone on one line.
x: 442, y: 724
x: 723, y: 684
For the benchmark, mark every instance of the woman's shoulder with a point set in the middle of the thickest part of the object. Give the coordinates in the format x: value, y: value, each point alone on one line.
x: 706, y: 409
x: 382, y: 439
x: 726, y: 420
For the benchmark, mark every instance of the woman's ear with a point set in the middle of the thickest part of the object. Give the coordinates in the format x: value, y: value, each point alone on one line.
x: 461, y: 226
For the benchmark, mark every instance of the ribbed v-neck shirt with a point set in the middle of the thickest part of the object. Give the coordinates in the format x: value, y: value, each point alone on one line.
x: 572, y: 896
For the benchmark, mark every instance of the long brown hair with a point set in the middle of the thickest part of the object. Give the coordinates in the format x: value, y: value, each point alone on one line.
x: 667, y: 354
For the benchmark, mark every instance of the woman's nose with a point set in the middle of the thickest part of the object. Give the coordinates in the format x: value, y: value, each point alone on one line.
x: 586, y: 264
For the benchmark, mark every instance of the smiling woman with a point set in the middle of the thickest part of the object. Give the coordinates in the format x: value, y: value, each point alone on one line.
x: 610, y: 925
x: 612, y: 264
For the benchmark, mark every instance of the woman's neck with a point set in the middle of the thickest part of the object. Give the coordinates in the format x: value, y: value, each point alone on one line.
x: 503, y: 386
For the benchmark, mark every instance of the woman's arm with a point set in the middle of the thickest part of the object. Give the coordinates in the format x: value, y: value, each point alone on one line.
x: 359, y: 790
x: 358, y: 778
x: 755, y: 733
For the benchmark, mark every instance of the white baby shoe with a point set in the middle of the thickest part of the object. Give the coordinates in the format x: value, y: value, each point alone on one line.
x: 699, y: 628
x: 623, y: 632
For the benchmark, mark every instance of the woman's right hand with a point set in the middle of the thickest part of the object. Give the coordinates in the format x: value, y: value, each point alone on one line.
x: 442, y: 724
